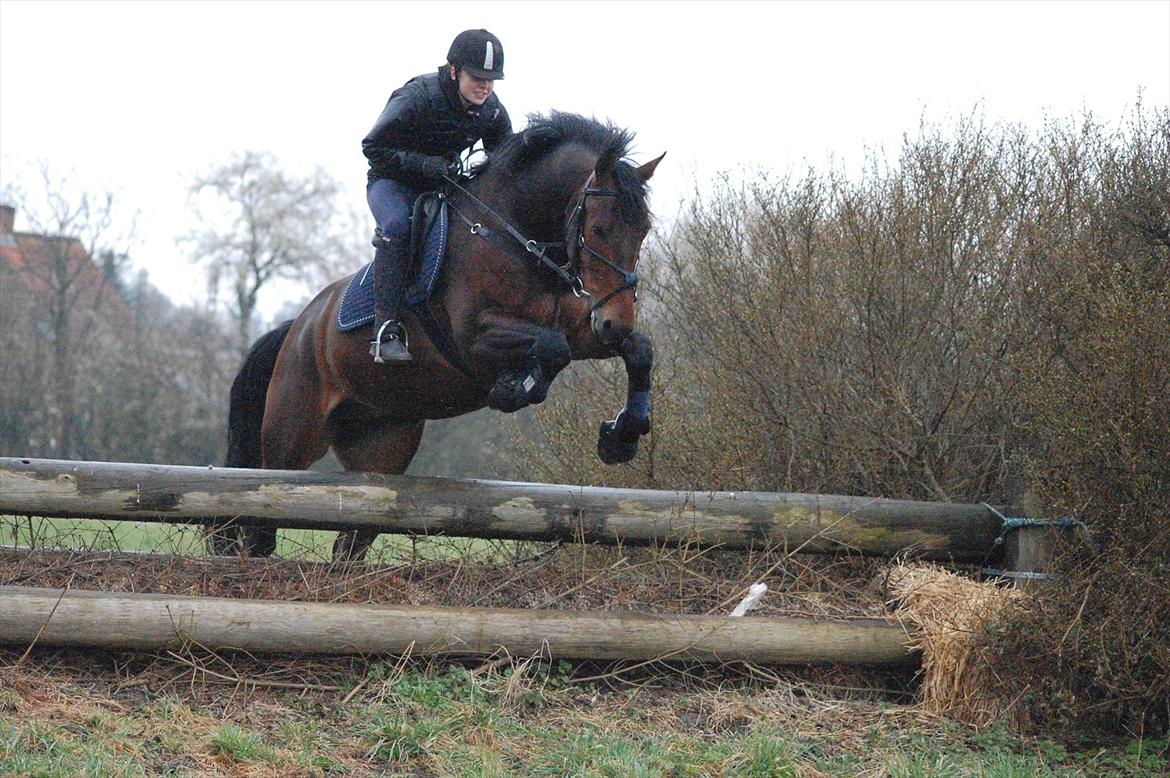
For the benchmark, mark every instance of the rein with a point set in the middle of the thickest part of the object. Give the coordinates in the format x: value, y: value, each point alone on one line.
x: 569, y: 273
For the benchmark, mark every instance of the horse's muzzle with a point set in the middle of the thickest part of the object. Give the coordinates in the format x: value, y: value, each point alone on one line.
x: 610, y: 332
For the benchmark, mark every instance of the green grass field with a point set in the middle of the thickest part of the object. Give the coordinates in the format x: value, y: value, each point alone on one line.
x: 528, y: 720
x: 302, y: 544
x: 141, y: 536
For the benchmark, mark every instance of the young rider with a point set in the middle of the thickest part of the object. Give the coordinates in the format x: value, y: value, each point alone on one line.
x: 416, y: 141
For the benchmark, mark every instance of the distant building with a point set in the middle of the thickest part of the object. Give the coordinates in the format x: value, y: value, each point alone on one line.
x: 54, y: 271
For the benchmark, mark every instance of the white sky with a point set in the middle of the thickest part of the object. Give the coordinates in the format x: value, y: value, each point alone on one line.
x: 137, y: 97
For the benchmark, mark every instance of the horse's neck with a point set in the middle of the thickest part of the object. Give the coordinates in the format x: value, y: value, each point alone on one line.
x: 538, y: 199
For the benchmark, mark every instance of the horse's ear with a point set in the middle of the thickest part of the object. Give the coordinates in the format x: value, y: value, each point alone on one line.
x: 645, y: 171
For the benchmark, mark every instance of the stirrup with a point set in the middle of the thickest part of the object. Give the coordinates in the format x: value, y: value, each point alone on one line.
x: 382, y: 339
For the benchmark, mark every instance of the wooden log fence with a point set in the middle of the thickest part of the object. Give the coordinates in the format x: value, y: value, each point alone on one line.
x: 496, y: 509
x: 52, y: 617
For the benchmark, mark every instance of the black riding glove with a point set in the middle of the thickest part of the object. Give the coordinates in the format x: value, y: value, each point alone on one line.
x: 434, y: 169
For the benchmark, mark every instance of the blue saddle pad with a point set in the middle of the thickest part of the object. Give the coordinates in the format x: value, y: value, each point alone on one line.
x: 357, y: 302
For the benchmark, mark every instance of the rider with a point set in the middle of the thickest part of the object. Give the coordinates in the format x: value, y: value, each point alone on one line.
x: 415, y: 143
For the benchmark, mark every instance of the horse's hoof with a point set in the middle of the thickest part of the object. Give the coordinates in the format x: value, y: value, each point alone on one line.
x: 611, y: 449
x: 223, y: 541
x: 635, y: 428
x: 506, y: 396
x: 514, y: 391
x: 259, y: 541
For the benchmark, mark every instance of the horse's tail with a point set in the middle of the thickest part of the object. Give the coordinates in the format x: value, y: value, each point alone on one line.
x: 249, y: 390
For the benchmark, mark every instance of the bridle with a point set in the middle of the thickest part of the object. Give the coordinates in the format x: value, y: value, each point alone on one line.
x: 629, y: 277
x: 574, y: 241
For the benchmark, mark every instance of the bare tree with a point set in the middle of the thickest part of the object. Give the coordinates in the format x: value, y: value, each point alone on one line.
x: 261, y: 224
x: 69, y: 226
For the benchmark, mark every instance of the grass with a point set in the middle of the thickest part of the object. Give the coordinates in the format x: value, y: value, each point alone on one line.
x: 302, y: 544
x: 241, y: 746
x: 534, y: 721
x: 99, y: 535
x: 94, y: 713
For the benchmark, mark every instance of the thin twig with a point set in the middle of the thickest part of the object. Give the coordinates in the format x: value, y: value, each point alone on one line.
x: 48, y: 618
x: 355, y: 690
x: 237, y: 680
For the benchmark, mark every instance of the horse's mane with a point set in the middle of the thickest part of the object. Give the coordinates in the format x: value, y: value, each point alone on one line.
x: 547, y: 133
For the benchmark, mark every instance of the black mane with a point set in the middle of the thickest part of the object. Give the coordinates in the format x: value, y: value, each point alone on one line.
x: 546, y: 133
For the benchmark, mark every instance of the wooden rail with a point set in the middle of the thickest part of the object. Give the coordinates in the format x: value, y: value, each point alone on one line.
x: 495, y: 509
x: 52, y: 617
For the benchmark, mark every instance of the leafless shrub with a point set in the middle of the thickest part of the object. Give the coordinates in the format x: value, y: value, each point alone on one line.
x: 986, y: 319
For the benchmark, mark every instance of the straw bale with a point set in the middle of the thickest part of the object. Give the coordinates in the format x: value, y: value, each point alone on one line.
x: 957, y: 619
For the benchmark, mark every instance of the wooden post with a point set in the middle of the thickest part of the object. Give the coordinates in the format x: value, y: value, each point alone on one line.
x: 1027, y: 556
x: 495, y: 509
x: 51, y: 617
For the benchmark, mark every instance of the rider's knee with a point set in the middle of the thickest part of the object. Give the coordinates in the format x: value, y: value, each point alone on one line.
x: 390, y: 203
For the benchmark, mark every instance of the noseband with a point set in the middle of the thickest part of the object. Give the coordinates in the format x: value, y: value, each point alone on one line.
x: 570, y: 272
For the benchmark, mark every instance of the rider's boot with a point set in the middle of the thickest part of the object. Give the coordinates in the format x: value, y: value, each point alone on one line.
x: 391, y: 258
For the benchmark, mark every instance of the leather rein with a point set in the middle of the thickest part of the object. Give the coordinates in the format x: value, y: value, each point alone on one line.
x: 570, y: 272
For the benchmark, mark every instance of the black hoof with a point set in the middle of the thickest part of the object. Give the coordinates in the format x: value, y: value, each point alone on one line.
x: 223, y: 541
x: 259, y: 541
x: 611, y: 449
x: 513, y: 391
x: 507, y: 395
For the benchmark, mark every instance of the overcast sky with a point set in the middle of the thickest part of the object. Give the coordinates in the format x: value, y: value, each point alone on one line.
x: 138, y: 97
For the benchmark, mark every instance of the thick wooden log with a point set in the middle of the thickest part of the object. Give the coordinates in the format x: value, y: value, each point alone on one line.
x: 495, y: 509
x: 155, y: 621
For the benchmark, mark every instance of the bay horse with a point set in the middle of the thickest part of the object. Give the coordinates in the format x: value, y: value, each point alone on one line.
x: 540, y: 270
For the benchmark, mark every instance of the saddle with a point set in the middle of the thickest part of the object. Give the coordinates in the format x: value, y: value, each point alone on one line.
x: 428, y: 249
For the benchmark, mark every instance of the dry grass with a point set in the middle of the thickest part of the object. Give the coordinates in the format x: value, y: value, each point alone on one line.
x: 954, y: 613
x: 534, y: 576
x: 682, y: 581
x: 197, y: 712
x: 956, y: 618
x: 170, y: 702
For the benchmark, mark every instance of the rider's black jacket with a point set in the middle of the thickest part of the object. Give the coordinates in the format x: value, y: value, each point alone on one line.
x: 424, y: 118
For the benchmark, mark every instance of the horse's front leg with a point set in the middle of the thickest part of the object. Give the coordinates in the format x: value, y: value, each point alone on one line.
x: 521, y: 358
x: 617, y: 441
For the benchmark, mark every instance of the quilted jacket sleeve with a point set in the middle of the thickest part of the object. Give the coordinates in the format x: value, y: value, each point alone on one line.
x: 385, y: 146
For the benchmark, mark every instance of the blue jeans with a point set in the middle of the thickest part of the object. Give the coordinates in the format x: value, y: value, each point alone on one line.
x: 390, y: 202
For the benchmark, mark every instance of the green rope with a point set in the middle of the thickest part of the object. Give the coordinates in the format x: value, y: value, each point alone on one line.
x: 1010, y: 524
x: 1016, y: 523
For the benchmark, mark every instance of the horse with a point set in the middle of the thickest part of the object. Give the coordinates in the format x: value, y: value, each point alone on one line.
x: 541, y: 272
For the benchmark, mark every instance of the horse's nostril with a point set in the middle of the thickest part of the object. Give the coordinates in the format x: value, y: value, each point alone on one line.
x: 611, y: 331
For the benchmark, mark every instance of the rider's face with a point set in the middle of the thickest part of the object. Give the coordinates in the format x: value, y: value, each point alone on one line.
x: 475, y: 91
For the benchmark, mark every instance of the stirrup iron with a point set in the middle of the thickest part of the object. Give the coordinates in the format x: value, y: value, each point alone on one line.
x: 398, y: 333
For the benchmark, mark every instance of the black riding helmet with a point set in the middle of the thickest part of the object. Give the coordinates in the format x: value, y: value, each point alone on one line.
x: 479, y: 53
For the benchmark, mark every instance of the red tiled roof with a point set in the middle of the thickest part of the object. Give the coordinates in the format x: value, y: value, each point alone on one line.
x: 44, y: 263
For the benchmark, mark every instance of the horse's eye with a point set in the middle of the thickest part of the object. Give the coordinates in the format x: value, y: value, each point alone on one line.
x: 600, y: 231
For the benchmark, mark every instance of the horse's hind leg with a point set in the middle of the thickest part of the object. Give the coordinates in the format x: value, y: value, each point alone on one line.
x: 373, y: 449
x: 245, y: 422
x: 292, y: 439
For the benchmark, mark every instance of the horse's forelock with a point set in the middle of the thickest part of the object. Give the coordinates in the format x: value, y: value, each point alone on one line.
x: 631, y: 193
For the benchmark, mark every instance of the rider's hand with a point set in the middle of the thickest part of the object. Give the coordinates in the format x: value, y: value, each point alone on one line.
x: 434, y: 168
